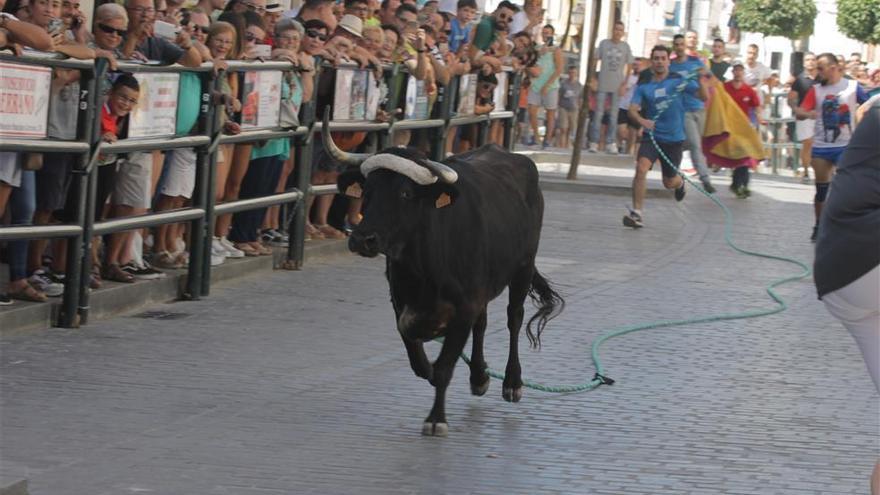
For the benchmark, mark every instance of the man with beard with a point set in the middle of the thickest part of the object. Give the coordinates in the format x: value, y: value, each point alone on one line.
x: 832, y: 103
x: 484, y: 34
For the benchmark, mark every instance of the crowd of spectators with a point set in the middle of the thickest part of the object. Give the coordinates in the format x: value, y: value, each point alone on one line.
x: 434, y: 42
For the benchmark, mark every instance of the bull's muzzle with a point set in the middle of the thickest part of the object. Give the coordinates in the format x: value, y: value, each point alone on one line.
x: 365, y: 244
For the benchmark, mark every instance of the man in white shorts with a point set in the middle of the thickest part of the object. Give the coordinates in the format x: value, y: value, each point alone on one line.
x: 804, y: 128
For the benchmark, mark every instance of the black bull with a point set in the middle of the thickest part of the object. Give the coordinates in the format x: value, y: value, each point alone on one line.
x: 450, y: 249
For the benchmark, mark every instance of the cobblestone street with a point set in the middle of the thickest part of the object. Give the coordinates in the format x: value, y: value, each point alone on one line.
x: 297, y: 382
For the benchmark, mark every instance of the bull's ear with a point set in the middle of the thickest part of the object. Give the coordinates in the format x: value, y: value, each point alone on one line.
x: 443, y: 194
x: 351, y: 183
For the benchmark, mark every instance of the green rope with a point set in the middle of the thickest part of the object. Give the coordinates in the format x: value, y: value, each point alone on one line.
x: 599, y: 378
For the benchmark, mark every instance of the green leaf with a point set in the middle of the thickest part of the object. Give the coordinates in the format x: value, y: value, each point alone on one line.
x: 859, y: 19
x: 792, y: 19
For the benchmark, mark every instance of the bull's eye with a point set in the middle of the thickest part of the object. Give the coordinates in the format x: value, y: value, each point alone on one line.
x: 406, y: 194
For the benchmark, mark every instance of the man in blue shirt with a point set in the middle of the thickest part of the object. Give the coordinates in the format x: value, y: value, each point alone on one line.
x: 662, y: 100
x: 687, y: 65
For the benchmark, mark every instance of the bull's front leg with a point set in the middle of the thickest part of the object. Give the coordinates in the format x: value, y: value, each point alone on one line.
x: 435, y: 423
x: 479, y: 376
x: 418, y: 360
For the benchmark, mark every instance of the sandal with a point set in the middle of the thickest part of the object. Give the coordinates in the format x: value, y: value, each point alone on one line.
x: 246, y: 248
x: 261, y: 249
x: 116, y: 274
x: 312, y: 232
x: 329, y: 232
x: 27, y: 293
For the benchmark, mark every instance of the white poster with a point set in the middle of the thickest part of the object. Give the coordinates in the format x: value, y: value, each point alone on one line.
x: 467, y: 94
x: 416, y: 100
x: 156, y: 112
x: 24, y: 100
x: 375, y: 93
x: 261, y: 99
x: 356, y: 95
x: 500, y: 97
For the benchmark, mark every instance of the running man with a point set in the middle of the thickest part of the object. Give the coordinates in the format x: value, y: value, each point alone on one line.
x: 832, y: 104
x: 661, y: 98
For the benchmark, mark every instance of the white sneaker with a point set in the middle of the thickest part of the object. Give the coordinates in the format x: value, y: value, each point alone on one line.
x: 217, y: 259
x: 218, y: 252
x: 42, y: 281
x: 231, y: 250
x: 594, y: 148
x: 611, y: 149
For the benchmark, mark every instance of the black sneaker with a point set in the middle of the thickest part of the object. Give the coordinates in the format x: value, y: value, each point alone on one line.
x: 679, y: 192
x: 815, y: 234
x: 633, y: 219
x: 144, y: 271
x: 5, y: 300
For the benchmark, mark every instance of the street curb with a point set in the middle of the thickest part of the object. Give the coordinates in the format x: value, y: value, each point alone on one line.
x: 17, y: 488
x: 118, y: 298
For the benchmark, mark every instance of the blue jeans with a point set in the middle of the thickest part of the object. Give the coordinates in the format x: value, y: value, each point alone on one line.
x: 596, y: 123
x: 22, y: 204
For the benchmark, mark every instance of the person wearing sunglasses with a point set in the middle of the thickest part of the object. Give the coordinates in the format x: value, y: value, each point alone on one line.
x: 197, y: 24
x: 321, y: 10
x: 485, y: 34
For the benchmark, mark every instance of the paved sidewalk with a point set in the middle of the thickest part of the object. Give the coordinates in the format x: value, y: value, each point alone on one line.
x: 297, y: 383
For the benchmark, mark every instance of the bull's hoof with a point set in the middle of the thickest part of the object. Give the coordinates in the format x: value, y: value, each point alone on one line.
x: 512, y: 394
x: 430, y: 429
x: 480, y: 390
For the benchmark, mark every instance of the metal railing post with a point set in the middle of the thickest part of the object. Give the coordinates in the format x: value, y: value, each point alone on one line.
x: 513, y: 87
x: 199, y: 249
x: 89, y: 103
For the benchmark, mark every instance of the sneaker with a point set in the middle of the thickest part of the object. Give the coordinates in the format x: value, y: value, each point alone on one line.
x: 531, y: 141
x: 679, y: 192
x: 633, y: 219
x: 5, y: 300
x: 217, y: 259
x: 274, y: 237
x: 611, y: 149
x: 708, y: 187
x: 594, y: 148
x: 218, y: 253
x: 815, y: 233
x: 143, y: 271
x: 231, y: 250
x: 42, y: 281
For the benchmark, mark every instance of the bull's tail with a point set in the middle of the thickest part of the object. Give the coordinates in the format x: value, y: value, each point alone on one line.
x: 549, y: 304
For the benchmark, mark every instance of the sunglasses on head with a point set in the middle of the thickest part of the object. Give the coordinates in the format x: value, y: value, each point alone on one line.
x: 311, y: 33
x: 110, y: 30
x: 201, y: 29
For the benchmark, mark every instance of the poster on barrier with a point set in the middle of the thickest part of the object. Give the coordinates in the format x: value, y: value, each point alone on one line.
x: 261, y: 99
x: 156, y: 112
x: 416, y: 100
x: 467, y: 91
x: 355, y: 95
x: 500, y: 96
x: 375, y: 93
x: 24, y: 100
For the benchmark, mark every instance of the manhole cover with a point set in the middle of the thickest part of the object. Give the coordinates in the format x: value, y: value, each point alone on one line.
x: 161, y: 315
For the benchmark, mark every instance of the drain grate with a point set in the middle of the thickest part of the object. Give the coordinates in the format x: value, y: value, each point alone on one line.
x: 161, y: 315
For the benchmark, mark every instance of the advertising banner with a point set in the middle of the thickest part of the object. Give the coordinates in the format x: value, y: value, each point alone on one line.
x: 24, y: 100
x: 156, y: 112
x: 261, y: 99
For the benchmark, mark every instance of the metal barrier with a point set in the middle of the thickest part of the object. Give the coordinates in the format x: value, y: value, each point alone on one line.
x: 202, y: 212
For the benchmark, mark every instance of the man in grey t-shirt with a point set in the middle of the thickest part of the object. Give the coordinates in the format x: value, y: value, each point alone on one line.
x: 616, y: 58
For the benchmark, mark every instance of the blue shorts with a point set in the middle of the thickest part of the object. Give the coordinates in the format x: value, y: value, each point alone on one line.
x: 830, y: 154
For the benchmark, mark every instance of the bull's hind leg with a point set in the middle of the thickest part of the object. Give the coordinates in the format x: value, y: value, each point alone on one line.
x: 456, y: 337
x: 518, y: 290
x: 479, y: 377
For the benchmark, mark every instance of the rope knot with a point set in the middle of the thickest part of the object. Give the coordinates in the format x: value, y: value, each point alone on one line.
x: 603, y: 380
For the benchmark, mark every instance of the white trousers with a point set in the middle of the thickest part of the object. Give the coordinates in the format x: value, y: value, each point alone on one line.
x: 857, y: 306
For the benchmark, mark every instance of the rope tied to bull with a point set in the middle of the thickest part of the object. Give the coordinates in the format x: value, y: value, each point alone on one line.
x: 600, y: 377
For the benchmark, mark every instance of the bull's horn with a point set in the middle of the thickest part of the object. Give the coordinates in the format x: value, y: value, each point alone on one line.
x: 353, y: 159
x: 444, y: 172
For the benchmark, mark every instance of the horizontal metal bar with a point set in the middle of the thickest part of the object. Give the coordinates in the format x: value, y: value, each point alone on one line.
x: 43, y: 146
x: 267, y: 65
x: 782, y: 145
x: 779, y: 120
x: 504, y: 114
x: 148, y: 220
x: 130, y: 145
x: 470, y: 119
x: 323, y: 189
x: 155, y: 68
x: 22, y: 232
x: 404, y: 125
x: 254, y: 203
x: 47, y: 59
x: 246, y: 137
x: 355, y: 125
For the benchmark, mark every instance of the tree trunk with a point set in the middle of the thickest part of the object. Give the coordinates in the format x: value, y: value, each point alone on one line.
x: 585, y: 97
